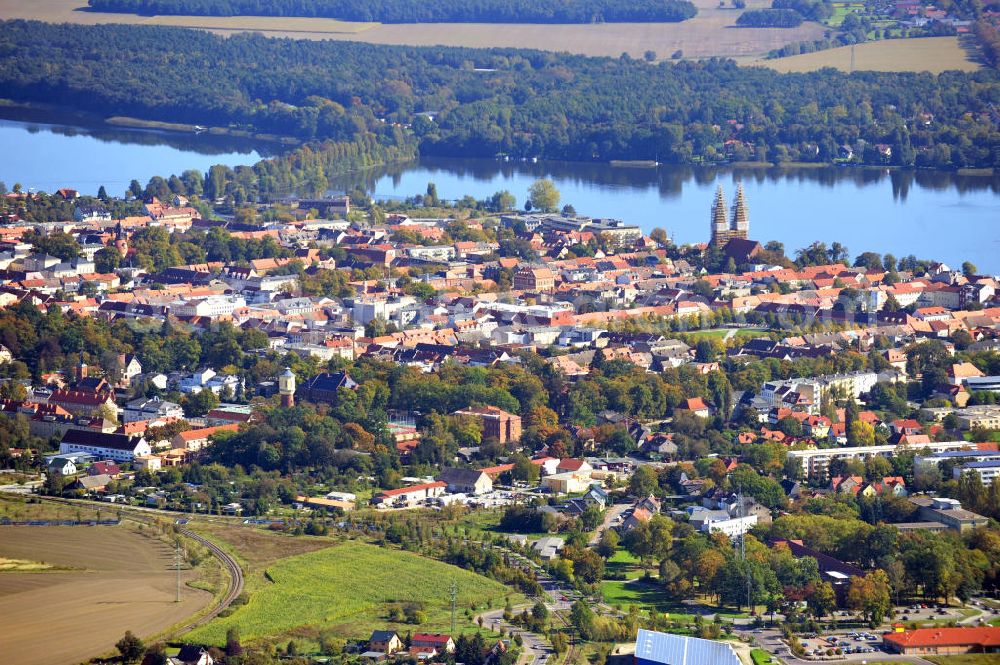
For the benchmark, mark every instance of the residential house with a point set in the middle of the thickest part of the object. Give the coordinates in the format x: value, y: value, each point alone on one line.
x: 696, y: 406
x: 548, y: 548
x: 196, y: 439
x: 466, y: 481
x: 60, y: 466
x: 443, y: 643
x: 323, y: 387
x: 82, y: 403
x: 152, y: 408
x: 191, y: 655
x: 385, y: 642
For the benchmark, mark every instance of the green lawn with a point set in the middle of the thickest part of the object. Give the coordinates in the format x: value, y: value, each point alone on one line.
x: 347, y: 590
x: 760, y: 657
x: 623, y: 562
x: 968, y: 659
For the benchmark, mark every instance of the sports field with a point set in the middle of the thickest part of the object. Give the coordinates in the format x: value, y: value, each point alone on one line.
x: 103, y: 581
x: 710, y: 33
x: 932, y: 54
x: 348, y: 590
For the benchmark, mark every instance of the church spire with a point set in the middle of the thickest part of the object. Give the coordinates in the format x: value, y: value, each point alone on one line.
x: 720, y: 227
x: 741, y: 217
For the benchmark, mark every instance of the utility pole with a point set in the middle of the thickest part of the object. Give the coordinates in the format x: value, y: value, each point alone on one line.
x: 177, y: 568
x: 743, y: 543
x: 454, y: 597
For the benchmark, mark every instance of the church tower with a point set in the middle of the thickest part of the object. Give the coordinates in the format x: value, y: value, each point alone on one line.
x: 121, y: 240
x: 286, y: 388
x: 740, y: 227
x: 720, y: 225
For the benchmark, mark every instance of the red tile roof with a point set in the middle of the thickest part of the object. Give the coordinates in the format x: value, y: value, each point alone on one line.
x: 987, y: 636
x: 413, y: 488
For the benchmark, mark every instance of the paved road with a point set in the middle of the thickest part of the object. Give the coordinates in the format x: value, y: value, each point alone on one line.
x: 26, y: 488
x: 535, y: 649
x: 609, y: 517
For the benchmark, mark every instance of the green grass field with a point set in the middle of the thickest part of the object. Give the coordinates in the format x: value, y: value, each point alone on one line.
x: 968, y: 659
x: 760, y: 657
x: 347, y: 589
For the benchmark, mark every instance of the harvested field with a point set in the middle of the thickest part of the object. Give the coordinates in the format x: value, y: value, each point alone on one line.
x: 121, y: 581
x: 256, y: 548
x: 710, y: 33
x: 931, y: 54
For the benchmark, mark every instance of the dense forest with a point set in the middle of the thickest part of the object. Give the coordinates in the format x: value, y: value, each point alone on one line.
x: 421, y: 11
x: 467, y: 102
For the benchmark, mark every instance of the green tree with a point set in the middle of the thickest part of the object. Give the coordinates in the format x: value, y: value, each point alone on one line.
x: 822, y: 600
x: 543, y: 195
x: 643, y: 482
x: 107, y: 259
x: 130, y: 647
x: 502, y: 201
x: 608, y: 544
x: 871, y: 595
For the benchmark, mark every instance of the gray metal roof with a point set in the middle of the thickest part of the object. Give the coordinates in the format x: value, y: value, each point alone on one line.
x: 682, y: 650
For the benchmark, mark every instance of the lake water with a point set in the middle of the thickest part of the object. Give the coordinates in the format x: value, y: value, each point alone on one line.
x: 937, y: 215
x: 47, y: 156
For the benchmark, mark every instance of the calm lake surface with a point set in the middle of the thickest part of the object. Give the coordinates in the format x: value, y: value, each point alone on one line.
x: 938, y: 215
x: 930, y: 214
x: 46, y: 156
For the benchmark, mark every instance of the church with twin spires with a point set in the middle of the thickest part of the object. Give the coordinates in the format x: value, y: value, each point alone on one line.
x: 725, y: 229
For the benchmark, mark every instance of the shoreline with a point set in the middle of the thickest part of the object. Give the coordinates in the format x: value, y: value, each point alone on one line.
x: 89, y: 120
x: 54, y: 114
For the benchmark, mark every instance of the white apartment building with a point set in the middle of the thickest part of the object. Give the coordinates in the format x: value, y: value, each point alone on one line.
x: 813, y: 389
x: 815, y: 462
x: 732, y: 527
x: 987, y: 471
x: 211, y: 307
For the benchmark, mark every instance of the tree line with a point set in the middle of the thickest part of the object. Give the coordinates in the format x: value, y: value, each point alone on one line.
x: 517, y: 102
x: 770, y: 18
x: 418, y: 11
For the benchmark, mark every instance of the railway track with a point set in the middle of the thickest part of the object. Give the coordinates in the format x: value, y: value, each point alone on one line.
x: 236, y: 578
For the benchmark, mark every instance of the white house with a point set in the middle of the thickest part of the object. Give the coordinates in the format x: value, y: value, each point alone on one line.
x: 734, y: 526
x: 153, y: 408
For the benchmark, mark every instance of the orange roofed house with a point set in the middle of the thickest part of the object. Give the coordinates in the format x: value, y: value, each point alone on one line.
x: 944, y: 641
